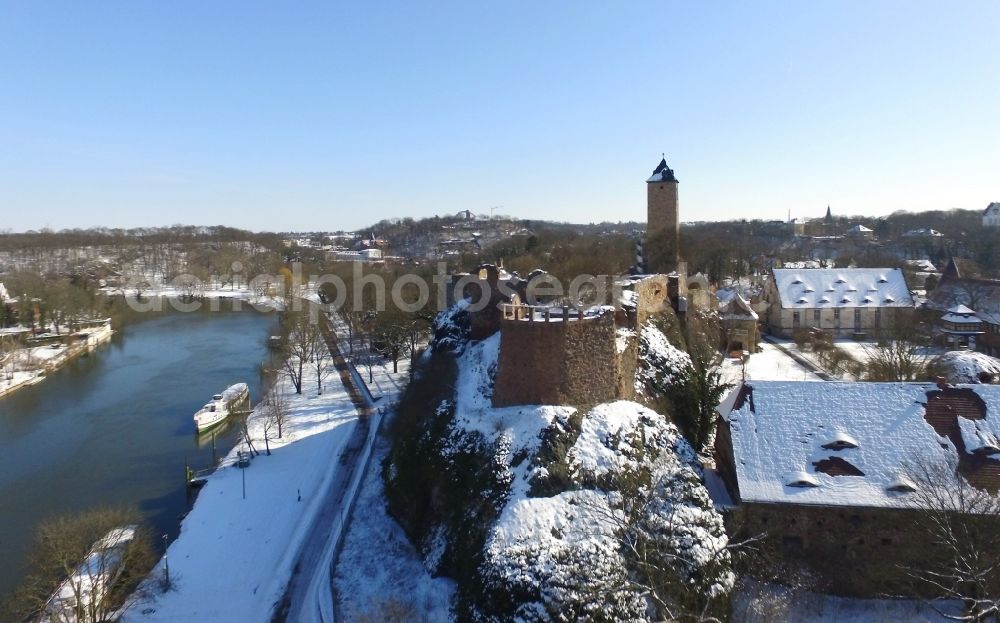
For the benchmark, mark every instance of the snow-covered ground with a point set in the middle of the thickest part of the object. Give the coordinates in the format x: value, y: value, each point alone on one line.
x: 771, y: 364
x: 756, y: 602
x: 234, y: 556
x: 860, y: 351
x: 962, y: 366
x: 378, y: 570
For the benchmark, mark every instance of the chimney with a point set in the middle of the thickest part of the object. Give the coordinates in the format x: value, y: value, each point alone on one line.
x: 941, y: 382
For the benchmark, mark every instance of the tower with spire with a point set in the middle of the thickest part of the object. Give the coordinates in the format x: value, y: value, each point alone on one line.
x: 662, y: 220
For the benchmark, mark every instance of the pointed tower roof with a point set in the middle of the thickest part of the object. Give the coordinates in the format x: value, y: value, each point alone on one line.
x: 829, y: 215
x: 662, y: 173
x: 951, y: 270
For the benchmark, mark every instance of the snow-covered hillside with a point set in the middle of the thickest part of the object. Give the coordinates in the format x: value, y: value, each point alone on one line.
x: 545, y: 513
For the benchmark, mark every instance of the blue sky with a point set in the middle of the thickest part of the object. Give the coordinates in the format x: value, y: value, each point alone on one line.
x: 301, y: 115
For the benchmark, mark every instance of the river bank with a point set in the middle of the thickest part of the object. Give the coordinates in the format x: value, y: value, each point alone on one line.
x: 116, y: 429
x: 31, y: 365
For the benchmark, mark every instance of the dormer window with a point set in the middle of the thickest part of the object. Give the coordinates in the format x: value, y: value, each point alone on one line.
x: 846, y: 299
x: 809, y: 289
x: 889, y: 299
x: 836, y: 466
x: 841, y: 441
x: 825, y: 299
x: 797, y: 280
x: 802, y: 299
x: 882, y: 279
x: 902, y: 484
x: 801, y: 480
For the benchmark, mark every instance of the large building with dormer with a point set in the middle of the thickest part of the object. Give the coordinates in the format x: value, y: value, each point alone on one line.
x: 847, y: 302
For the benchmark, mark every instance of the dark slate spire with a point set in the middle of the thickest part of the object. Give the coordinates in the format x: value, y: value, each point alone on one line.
x: 951, y: 271
x: 829, y: 215
x: 662, y: 173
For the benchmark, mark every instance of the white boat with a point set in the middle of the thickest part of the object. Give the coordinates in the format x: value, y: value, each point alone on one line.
x: 221, y: 406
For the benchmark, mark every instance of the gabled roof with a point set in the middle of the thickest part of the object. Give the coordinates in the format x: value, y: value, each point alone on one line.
x: 993, y: 208
x: 855, y: 444
x: 841, y: 287
x: 736, y: 307
x: 662, y: 173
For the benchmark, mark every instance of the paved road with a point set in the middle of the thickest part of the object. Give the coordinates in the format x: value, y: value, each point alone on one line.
x: 293, y: 603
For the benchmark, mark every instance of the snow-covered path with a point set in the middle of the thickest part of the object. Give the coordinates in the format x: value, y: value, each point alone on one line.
x: 234, y: 556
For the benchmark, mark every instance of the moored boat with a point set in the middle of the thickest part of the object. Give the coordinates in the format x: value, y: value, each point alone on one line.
x: 221, y: 406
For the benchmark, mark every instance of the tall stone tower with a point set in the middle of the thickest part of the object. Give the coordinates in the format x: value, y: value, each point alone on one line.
x: 662, y: 221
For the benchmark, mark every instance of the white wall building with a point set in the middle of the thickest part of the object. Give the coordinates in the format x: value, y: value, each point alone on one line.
x: 843, y: 301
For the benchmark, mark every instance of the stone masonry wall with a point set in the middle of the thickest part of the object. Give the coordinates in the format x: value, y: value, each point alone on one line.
x: 572, y: 363
x: 852, y: 551
x: 662, y: 226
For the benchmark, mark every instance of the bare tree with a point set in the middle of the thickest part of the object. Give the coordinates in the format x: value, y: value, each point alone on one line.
x: 321, y: 360
x: 898, y: 355
x: 962, y: 521
x: 84, y: 568
x: 369, y: 358
x: 300, y: 346
x: 275, y: 412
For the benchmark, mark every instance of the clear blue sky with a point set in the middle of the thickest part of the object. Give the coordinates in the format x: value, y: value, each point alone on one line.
x: 301, y: 115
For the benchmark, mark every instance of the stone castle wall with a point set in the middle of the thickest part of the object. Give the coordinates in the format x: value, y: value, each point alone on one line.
x: 558, y: 363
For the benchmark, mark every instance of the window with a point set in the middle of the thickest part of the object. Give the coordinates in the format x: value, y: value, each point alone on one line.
x: 857, y: 318
x: 795, y: 319
x: 816, y: 317
x: 878, y: 318
x: 836, y: 315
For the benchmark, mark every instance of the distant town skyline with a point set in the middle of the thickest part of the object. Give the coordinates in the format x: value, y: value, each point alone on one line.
x: 317, y: 116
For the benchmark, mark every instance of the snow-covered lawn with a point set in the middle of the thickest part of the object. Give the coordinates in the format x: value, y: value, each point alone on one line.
x: 768, y: 365
x: 234, y: 556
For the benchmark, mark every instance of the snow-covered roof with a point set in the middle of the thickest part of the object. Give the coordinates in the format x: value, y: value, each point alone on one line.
x: 921, y: 265
x: 662, y: 173
x: 859, y: 229
x: 961, y: 314
x: 789, y: 437
x: 842, y: 287
x: 993, y: 208
x: 734, y: 307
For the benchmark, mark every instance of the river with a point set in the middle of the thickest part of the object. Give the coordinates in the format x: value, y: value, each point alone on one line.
x: 115, y: 427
